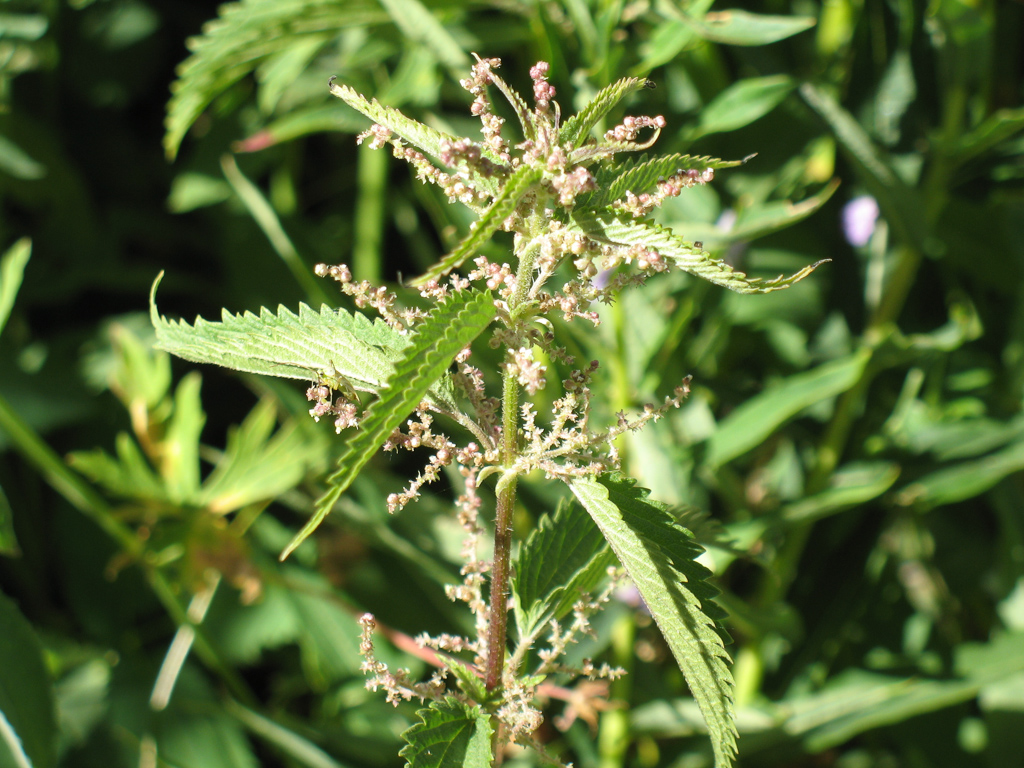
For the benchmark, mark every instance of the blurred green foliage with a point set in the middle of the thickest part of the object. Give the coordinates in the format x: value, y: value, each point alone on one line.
x: 857, y: 440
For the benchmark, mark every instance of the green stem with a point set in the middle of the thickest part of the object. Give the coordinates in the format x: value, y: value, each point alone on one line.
x: 84, y: 498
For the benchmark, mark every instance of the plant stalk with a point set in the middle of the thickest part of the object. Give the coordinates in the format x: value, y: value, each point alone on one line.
x: 497, y: 623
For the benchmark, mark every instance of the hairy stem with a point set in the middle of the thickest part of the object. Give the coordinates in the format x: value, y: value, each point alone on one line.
x: 497, y: 623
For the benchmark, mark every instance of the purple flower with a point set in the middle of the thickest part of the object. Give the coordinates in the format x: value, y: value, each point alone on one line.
x: 859, y: 218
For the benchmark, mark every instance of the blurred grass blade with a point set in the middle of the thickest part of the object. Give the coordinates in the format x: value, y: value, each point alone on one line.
x: 417, y: 23
x: 742, y: 103
x: 963, y: 481
x: 299, y: 749
x: 738, y: 27
x: 752, y: 422
x: 265, y: 217
x: 900, y: 204
x: 849, y: 486
x: 766, y: 218
x: 8, y: 540
x: 12, y: 271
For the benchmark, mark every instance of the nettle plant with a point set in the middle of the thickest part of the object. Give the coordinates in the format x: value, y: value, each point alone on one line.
x: 581, y: 235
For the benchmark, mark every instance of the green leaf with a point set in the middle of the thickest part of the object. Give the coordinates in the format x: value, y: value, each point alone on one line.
x: 8, y: 539
x: 128, y: 476
x: 521, y: 182
x: 451, y: 735
x: 766, y: 218
x: 418, y: 24
x: 660, y: 557
x: 638, y: 176
x: 329, y: 636
x: 298, y: 748
x: 963, y: 481
x: 742, y: 103
x: 257, y: 463
x: 179, y: 466
x: 312, y: 344
x: 577, y: 128
x: 994, y: 129
x: 564, y: 557
x: 469, y: 682
x: 737, y: 27
x: 900, y: 205
x: 266, y: 219
x: 417, y: 134
x: 445, y: 332
x: 245, y: 35
x: 12, y: 270
x: 748, y: 425
x: 15, y: 162
x: 28, y: 731
x: 620, y: 228
x: 849, y: 486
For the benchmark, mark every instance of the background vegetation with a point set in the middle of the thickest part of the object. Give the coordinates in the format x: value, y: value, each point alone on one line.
x: 851, y: 454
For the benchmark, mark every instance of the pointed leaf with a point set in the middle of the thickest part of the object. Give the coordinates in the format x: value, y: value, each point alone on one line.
x: 245, y: 35
x: 577, y: 128
x: 565, y: 556
x: 445, y: 332
x: 619, y: 228
x: 659, y: 558
x: 521, y: 182
x: 901, y: 205
x: 418, y: 24
x: 641, y: 175
x: 329, y: 343
x: 12, y: 269
x: 774, y: 215
x: 737, y: 27
x: 748, y: 425
x: 179, y: 465
x: 451, y: 735
x: 258, y: 464
x: 417, y: 134
x: 742, y: 103
x: 8, y: 539
x: 28, y: 731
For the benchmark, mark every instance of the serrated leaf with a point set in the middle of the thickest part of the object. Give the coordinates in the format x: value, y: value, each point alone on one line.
x: 565, y: 556
x: 445, y: 332
x: 659, y: 558
x: 638, y: 176
x: 451, y: 735
x: 471, y: 684
x: 620, y: 228
x: 521, y: 182
x: 577, y: 128
x: 738, y: 27
x: 245, y: 35
x: 417, y: 134
x: 302, y: 346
